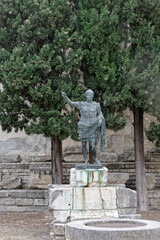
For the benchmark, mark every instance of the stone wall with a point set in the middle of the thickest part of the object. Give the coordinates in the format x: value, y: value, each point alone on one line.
x: 23, y: 200
x: 123, y: 164
x: 33, y: 172
x: 25, y: 160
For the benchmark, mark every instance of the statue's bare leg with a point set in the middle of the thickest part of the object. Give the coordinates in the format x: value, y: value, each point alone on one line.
x: 84, y: 151
x: 93, y: 148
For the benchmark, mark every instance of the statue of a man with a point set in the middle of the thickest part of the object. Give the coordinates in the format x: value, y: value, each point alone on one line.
x: 91, y: 124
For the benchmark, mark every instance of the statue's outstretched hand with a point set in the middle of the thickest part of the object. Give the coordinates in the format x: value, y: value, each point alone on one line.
x: 63, y: 94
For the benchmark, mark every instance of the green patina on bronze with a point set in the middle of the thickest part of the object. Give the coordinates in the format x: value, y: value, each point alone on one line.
x: 90, y: 127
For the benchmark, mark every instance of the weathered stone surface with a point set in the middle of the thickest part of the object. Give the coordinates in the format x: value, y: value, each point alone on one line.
x: 59, y: 229
x: 12, y: 158
x: 24, y: 202
x: 16, y: 209
x: 87, y: 198
x: 118, y: 178
x: 41, y: 202
x: 129, y: 156
x: 39, y: 179
x: 38, y: 158
x: 60, y: 238
x: 36, y: 193
x: 109, y: 198
x: 11, y: 183
x: 108, y: 157
x: 89, y: 177
x: 61, y: 216
x: 60, y: 197
x: 3, y: 208
x: 127, y: 211
x: 3, y: 193
x: 92, y: 214
x: 151, y: 181
x: 126, y: 198
x: 7, y: 201
x: 36, y: 208
x: 86, y: 230
x: 18, y: 193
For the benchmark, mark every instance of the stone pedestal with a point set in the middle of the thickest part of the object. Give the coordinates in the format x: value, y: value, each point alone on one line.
x: 89, y: 197
x: 89, y: 177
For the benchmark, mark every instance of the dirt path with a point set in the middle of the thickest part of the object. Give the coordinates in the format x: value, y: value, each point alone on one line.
x: 25, y: 226
x: 37, y: 226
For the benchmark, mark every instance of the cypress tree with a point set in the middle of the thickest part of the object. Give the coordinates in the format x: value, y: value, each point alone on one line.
x: 121, y: 64
x: 39, y: 56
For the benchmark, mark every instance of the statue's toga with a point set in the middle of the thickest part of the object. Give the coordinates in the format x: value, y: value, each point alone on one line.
x: 91, y: 124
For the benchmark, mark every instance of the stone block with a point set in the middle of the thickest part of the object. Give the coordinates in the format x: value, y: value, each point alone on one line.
x: 87, y: 198
x: 92, y: 214
x: 11, y: 183
x: 4, y: 193
x: 60, y: 238
x: 126, y: 198
x: 151, y: 181
x: 127, y: 211
x: 12, y: 158
x: 36, y: 194
x: 118, y: 178
x: 108, y: 157
x: 15, y: 209
x: 60, y: 197
x: 129, y: 156
x: 109, y: 198
x: 39, y: 179
x: 38, y: 158
x: 41, y: 202
x: 24, y: 202
x: 61, y: 216
x: 59, y: 229
x: 3, y: 208
x: 40, y: 165
x: 18, y: 193
x: 36, y: 208
x: 7, y: 201
x: 89, y: 177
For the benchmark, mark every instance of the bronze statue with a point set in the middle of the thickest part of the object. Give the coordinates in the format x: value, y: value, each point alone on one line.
x: 90, y: 126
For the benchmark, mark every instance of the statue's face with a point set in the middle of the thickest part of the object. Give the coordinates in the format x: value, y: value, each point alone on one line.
x: 89, y: 96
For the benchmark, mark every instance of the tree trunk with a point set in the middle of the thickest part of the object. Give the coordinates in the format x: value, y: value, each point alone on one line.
x: 141, y: 185
x: 56, y: 159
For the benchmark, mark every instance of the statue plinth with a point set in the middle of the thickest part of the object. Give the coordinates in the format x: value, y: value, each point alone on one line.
x: 88, y: 166
x: 89, y: 177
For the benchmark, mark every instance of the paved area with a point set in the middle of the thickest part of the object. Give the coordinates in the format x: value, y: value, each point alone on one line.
x: 37, y: 226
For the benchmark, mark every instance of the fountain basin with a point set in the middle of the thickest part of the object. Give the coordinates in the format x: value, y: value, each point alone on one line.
x: 113, y: 229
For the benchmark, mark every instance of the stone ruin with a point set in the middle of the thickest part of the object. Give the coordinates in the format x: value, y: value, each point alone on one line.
x: 89, y: 196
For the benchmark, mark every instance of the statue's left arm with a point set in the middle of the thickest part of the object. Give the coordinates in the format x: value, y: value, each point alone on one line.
x: 102, y: 126
x: 100, y: 115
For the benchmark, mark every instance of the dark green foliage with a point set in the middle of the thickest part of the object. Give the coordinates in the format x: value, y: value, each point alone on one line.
x: 121, y: 63
x: 103, y: 62
x: 153, y: 133
x: 39, y: 56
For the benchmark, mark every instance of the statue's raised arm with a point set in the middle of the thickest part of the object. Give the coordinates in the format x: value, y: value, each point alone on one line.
x: 71, y: 103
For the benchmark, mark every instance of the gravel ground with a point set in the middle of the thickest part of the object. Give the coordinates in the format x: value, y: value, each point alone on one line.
x: 37, y: 225
x: 25, y: 225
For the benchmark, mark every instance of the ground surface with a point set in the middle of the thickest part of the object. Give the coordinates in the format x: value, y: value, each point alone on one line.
x: 25, y: 226
x: 37, y: 226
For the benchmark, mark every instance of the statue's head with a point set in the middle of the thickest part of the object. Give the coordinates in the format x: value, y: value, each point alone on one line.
x: 89, y: 94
